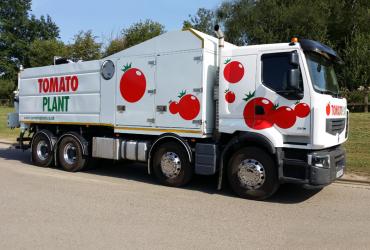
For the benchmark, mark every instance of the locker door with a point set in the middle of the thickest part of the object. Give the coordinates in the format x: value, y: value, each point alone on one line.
x: 135, y: 91
x: 179, y: 83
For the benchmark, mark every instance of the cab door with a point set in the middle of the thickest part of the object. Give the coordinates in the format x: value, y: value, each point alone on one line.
x: 291, y: 112
x: 135, y: 91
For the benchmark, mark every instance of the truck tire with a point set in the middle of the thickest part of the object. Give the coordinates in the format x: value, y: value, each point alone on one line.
x: 252, y: 174
x: 42, y: 153
x: 70, y: 154
x: 171, y: 165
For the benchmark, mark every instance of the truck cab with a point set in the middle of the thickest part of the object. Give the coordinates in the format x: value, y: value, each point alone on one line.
x: 287, y: 96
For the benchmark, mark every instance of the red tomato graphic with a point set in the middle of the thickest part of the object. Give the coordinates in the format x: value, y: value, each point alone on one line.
x: 133, y: 85
x: 229, y: 96
x: 234, y: 72
x: 258, y: 113
x: 302, y: 110
x: 174, y: 107
x: 328, y: 109
x: 284, y: 117
x: 189, y: 107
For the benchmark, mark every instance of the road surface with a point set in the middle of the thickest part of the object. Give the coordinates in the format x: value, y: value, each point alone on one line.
x: 120, y: 207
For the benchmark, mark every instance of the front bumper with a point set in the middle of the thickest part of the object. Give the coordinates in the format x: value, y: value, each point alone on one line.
x: 313, y: 168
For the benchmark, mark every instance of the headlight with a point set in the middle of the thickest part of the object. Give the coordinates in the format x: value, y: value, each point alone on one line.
x: 321, y: 161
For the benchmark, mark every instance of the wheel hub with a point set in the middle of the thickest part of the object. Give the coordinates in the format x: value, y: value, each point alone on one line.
x: 170, y: 164
x: 251, y: 174
x: 42, y: 150
x: 70, y: 154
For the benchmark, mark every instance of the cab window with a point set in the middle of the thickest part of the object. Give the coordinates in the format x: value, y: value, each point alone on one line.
x: 275, y: 70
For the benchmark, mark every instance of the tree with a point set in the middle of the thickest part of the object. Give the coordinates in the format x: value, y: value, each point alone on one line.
x: 271, y: 21
x: 17, y: 31
x: 85, y: 46
x: 115, y: 45
x: 356, y: 55
x: 341, y: 24
x: 204, y: 20
x: 141, y: 31
x: 6, y: 88
x: 42, y: 52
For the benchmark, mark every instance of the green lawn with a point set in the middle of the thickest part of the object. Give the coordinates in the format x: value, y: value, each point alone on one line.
x: 5, y: 132
x: 357, y: 146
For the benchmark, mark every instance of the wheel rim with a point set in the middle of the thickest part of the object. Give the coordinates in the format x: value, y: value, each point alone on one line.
x: 251, y: 174
x: 170, y: 164
x: 70, y: 154
x: 42, y: 150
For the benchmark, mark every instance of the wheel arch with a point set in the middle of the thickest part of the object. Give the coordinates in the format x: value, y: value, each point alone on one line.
x: 49, y: 135
x: 238, y: 141
x: 168, y: 137
x: 82, y: 141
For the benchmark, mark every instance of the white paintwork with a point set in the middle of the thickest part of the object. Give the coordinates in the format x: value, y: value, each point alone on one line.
x: 83, y: 104
x: 310, y: 129
x: 184, y: 60
x: 136, y: 114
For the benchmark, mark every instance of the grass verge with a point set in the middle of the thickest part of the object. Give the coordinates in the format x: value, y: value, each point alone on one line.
x: 358, y: 144
x: 5, y: 132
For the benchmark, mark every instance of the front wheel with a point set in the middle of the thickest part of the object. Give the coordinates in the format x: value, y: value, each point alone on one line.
x: 171, y: 165
x: 252, y: 174
x: 70, y: 154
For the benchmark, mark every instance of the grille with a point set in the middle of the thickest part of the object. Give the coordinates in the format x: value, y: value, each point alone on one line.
x: 335, y: 126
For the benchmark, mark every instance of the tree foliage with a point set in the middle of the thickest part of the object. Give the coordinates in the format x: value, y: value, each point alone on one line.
x: 341, y: 24
x: 85, y: 46
x: 18, y: 29
x: 115, y: 45
x: 141, y: 31
x: 204, y: 20
x: 42, y: 52
x: 137, y: 33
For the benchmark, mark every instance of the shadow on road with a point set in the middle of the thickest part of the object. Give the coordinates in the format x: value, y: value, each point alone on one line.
x: 287, y: 194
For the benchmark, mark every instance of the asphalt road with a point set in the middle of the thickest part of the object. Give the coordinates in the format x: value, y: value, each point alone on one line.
x: 120, y: 207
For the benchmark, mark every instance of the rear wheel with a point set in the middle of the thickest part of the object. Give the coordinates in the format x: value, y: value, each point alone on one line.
x: 42, y: 154
x: 70, y: 154
x: 171, y: 165
x: 252, y: 174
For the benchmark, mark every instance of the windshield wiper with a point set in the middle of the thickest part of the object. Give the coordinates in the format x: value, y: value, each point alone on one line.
x: 329, y: 92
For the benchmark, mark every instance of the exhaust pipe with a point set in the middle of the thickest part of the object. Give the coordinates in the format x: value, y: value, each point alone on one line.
x: 220, y: 36
x: 221, y: 42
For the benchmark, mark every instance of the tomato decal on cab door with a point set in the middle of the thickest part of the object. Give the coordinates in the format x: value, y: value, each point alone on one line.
x: 260, y: 113
x: 302, y: 109
x: 188, y: 107
x: 132, y: 84
x: 233, y: 71
x: 229, y: 96
x: 284, y: 117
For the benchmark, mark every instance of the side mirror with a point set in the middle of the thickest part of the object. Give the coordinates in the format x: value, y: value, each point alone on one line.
x: 293, y: 79
x: 294, y: 60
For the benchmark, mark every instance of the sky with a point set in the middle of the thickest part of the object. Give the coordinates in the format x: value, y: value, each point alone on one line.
x: 106, y: 18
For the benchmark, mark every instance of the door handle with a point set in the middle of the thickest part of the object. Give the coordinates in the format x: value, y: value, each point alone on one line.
x: 121, y: 108
x: 161, y: 108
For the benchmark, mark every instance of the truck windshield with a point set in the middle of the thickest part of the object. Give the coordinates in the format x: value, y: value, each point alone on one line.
x: 322, y: 74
